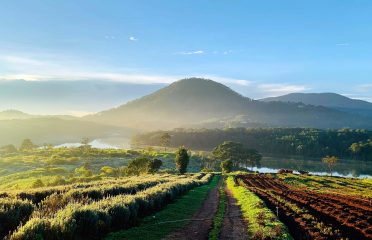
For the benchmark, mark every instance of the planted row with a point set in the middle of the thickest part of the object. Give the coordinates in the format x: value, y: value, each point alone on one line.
x: 263, y: 224
x: 93, y: 221
x: 37, y: 195
x: 12, y: 212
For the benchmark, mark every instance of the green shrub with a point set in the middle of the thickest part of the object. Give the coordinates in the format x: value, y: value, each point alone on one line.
x: 12, y: 213
x: 92, y: 221
x: 36, y: 228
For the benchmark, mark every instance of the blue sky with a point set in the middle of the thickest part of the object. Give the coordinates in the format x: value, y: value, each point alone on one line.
x: 259, y: 48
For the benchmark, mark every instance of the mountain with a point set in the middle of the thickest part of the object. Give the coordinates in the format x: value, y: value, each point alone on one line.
x: 15, y: 114
x: 331, y: 100
x: 199, y: 102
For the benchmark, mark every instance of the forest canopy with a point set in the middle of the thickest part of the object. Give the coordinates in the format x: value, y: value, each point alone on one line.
x: 306, y: 142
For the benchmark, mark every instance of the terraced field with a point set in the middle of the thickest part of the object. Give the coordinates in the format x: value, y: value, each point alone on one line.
x: 311, y: 214
x: 89, y: 211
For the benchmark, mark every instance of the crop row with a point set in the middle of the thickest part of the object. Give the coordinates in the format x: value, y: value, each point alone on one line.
x: 302, y: 224
x: 95, y: 219
x: 83, y: 193
x: 12, y: 212
x: 352, y: 221
x: 37, y: 195
x: 262, y: 223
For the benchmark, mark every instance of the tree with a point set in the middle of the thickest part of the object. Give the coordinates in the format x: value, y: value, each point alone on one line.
x: 84, y: 170
x: 228, y: 150
x: 237, y: 153
x: 138, y: 166
x: 182, y: 160
x: 165, y: 140
x: 27, y: 144
x: 154, y: 165
x: 253, y: 158
x: 330, y: 161
x: 226, y: 166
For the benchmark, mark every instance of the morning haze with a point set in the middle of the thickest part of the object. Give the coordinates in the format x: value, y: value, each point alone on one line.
x: 185, y: 120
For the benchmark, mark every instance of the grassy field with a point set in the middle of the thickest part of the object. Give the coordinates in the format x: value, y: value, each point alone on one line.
x: 173, y: 217
x: 59, y: 166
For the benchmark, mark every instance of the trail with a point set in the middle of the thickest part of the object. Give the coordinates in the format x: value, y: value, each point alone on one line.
x: 234, y: 226
x: 201, y: 223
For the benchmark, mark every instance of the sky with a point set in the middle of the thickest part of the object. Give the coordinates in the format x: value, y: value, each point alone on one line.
x: 258, y: 48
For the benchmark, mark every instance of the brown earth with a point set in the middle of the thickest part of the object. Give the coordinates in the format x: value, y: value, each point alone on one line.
x: 202, y: 220
x: 233, y: 227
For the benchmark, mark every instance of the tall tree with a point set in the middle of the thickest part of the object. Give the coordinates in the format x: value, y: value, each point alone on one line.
x: 331, y: 162
x: 27, y: 144
x: 182, y: 160
x: 228, y: 150
x: 226, y: 166
x: 165, y: 140
x: 253, y: 158
x: 154, y: 165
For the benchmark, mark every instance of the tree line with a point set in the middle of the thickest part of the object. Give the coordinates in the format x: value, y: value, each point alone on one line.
x: 306, y: 142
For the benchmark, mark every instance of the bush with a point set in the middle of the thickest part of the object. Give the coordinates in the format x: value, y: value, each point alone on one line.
x: 12, y: 213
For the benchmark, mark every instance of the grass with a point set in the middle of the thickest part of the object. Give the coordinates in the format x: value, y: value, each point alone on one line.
x: 262, y: 223
x: 167, y: 221
x: 218, y: 218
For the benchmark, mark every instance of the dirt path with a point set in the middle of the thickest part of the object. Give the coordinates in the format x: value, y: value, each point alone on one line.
x: 233, y: 227
x: 199, y: 228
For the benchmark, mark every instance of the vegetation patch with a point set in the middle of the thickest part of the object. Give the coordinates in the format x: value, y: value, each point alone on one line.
x: 218, y: 218
x: 262, y: 223
x: 175, y: 216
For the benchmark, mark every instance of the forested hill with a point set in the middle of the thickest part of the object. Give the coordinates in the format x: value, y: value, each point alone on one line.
x: 204, y: 103
x: 331, y: 100
x: 344, y: 143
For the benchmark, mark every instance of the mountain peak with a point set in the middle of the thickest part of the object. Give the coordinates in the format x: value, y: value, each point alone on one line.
x: 331, y: 100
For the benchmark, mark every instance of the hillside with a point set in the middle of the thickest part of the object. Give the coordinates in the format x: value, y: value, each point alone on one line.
x: 205, y: 103
x: 331, y: 100
x: 53, y: 130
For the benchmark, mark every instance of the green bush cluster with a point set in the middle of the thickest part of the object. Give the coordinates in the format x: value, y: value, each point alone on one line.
x: 94, y: 220
x: 12, y: 212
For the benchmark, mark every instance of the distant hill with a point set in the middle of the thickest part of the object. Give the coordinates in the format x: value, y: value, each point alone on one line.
x: 331, y: 100
x: 200, y: 102
x: 54, y: 130
x: 15, y: 114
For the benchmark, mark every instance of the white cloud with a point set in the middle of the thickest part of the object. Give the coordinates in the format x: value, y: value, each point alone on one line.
x: 274, y: 89
x: 133, y: 39
x: 192, y: 52
x: 10, y: 59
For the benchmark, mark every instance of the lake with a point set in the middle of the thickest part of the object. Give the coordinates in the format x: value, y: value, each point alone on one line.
x: 343, y: 168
